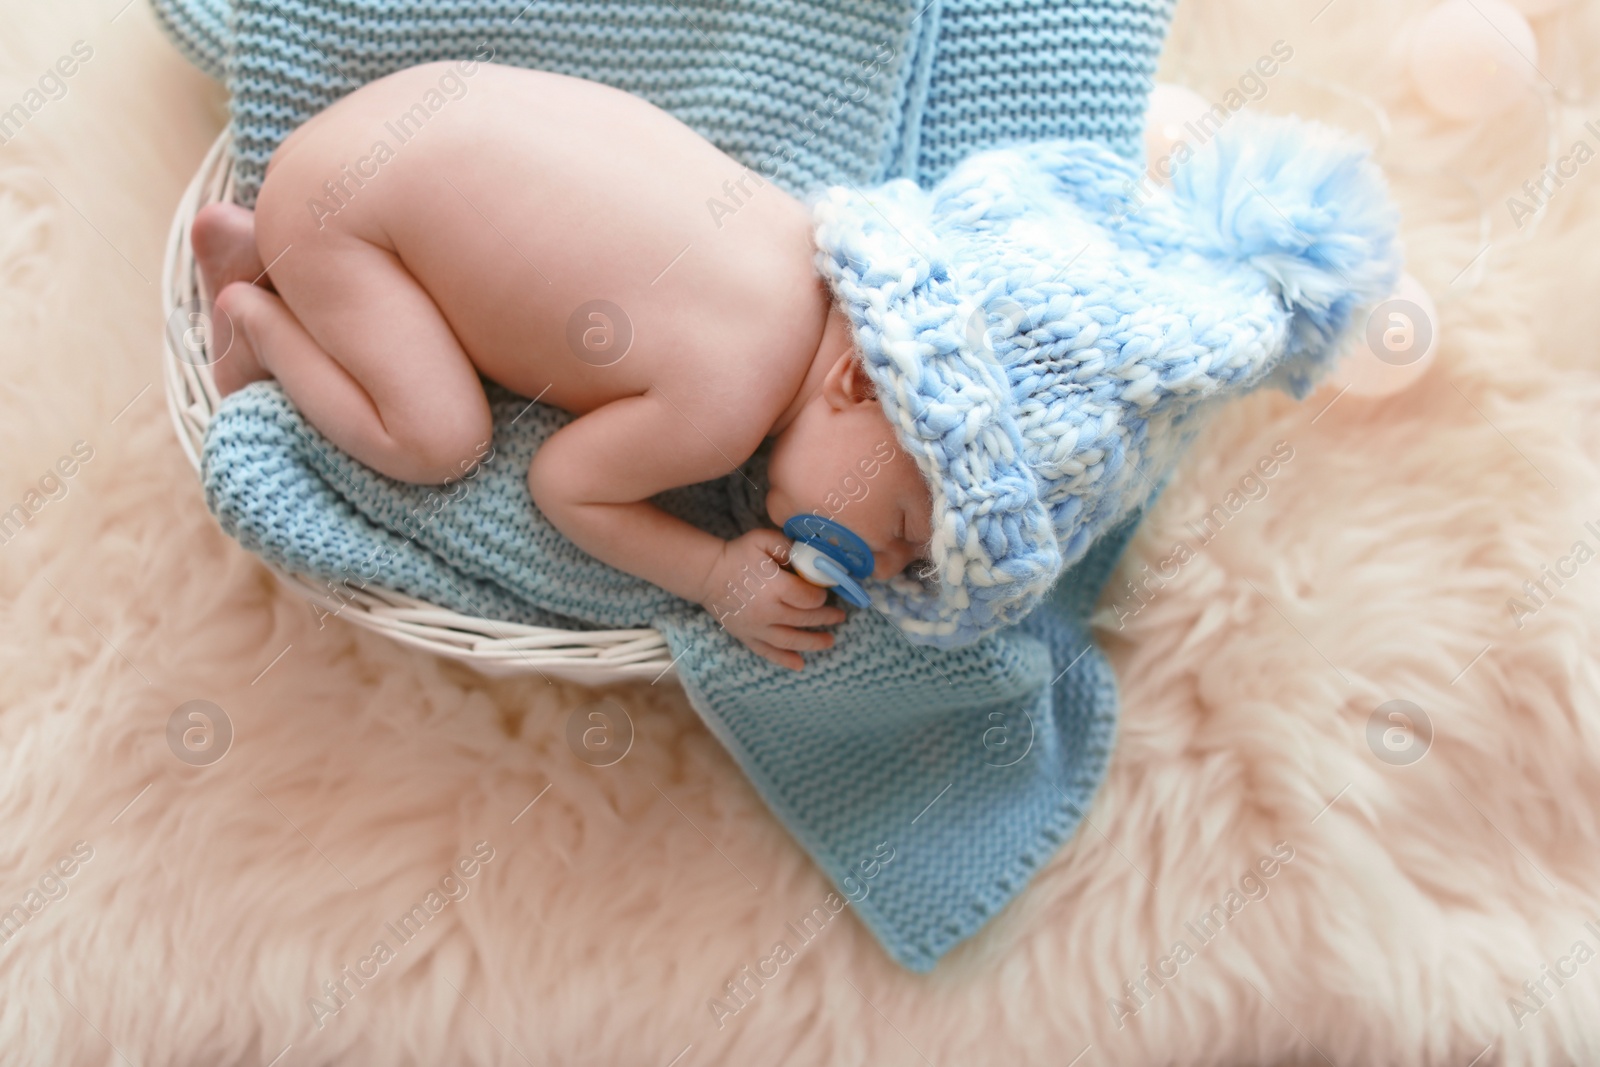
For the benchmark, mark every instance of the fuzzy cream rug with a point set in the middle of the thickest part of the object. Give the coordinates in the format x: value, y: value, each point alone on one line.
x: 1331, y: 906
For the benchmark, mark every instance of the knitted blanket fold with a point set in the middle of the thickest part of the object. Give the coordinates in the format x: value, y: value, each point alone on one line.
x: 969, y: 766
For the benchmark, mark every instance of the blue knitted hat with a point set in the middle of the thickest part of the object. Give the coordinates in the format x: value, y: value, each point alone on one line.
x: 1039, y: 327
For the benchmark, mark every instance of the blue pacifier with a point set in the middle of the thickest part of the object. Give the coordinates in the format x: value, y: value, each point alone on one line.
x: 829, y: 555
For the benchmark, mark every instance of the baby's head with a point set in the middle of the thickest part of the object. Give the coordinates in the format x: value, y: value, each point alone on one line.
x: 839, y: 458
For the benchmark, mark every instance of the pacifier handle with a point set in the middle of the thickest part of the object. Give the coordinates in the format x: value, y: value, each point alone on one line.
x: 829, y: 555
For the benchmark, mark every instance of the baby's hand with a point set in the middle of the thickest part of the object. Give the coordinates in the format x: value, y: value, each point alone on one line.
x: 763, y: 605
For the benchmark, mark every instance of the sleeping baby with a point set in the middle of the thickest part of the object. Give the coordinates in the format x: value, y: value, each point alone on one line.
x: 583, y: 248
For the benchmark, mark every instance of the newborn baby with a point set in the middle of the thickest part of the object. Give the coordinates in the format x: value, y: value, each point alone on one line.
x: 581, y: 247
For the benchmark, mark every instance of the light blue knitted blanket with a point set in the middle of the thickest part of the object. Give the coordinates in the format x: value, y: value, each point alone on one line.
x: 972, y: 764
x: 837, y: 91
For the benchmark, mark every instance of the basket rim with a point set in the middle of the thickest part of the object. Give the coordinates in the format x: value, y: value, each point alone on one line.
x: 491, y: 646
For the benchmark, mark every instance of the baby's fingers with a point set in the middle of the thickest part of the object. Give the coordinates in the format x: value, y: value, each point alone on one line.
x: 782, y: 657
x: 823, y: 616
x: 796, y: 639
x: 799, y: 593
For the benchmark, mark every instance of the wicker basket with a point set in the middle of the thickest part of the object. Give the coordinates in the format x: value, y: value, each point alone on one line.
x: 495, y: 648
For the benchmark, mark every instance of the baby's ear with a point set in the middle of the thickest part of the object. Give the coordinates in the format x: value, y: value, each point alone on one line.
x: 855, y: 383
x: 847, y: 383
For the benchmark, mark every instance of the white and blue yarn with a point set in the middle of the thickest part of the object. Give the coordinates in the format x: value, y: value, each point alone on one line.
x: 1042, y: 345
x: 1010, y: 735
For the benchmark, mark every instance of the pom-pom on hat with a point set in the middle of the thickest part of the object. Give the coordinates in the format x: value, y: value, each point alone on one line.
x: 1040, y: 329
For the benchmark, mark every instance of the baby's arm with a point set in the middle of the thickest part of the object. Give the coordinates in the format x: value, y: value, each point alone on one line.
x: 593, y: 479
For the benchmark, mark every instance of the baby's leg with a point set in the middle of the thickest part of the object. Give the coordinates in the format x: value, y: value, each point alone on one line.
x: 364, y: 353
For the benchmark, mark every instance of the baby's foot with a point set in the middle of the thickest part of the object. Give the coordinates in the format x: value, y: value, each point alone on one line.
x: 238, y: 365
x: 224, y: 240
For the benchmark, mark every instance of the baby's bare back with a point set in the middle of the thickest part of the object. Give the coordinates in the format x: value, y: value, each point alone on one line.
x: 556, y: 223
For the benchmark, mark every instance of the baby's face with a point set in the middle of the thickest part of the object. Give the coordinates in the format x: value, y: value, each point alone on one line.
x: 840, y: 459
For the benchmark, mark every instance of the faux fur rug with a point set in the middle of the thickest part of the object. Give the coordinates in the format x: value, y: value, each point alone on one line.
x: 1270, y: 876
